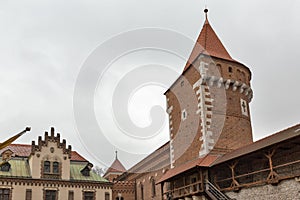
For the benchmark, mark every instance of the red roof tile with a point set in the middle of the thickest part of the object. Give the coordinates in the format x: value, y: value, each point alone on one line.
x: 19, y: 150
x: 24, y: 150
x: 116, y: 166
x: 208, y: 43
x: 76, y: 156
x: 201, y: 162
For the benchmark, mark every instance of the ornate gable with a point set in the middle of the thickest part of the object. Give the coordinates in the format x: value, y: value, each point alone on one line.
x: 51, y: 138
x: 50, y: 158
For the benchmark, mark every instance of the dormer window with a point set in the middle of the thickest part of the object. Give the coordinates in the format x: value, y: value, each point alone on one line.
x: 86, y: 170
x: 5, y: 167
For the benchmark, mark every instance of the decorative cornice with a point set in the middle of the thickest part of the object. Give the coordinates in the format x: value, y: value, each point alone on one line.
x: 56, y: 183
x: 219, y: 82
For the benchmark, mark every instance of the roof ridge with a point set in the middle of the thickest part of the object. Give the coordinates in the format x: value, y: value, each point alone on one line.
x: 75, y: 156
x: 261, y: 142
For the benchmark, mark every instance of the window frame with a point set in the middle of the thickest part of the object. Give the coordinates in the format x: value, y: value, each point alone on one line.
x: 153, y: 188
x: 106, y: 196
x: 71, y: 195
x: 52, y: 191
x: 28, y: 194
x: 86, y: 197
x: 48, y: 166
x: 56, y: 167
x: 5, y: 193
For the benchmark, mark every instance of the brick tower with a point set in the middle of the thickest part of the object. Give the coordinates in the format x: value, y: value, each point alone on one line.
x: 208, y: 105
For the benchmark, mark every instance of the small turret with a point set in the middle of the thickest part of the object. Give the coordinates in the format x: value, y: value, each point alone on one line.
x: 115, y: 170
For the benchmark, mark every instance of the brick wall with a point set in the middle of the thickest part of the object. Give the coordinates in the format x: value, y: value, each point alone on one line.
x: 215, y: 118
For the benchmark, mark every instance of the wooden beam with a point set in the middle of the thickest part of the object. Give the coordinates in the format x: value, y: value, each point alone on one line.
x: 234, y: 184
x: 273, y: 177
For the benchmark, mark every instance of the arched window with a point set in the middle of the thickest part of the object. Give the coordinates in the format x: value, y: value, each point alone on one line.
x: 230, y: 69
x: 153, y: 191
x: 219, y: 69
x: 46, y: 166
x: 55, y: 167
x: 239, y: 74
x: 142, y: 192
x: 243, y: 76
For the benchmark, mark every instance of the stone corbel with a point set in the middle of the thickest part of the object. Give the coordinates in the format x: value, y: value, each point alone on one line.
x: 243, y: 87
x: 236, y: 84
x: 227, y: 84
x: 220, y: 82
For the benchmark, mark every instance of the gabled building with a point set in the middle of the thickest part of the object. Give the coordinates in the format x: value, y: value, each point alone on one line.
x: 49, y: 170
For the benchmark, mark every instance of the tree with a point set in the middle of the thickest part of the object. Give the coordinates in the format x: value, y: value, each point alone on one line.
x: 99, y: 170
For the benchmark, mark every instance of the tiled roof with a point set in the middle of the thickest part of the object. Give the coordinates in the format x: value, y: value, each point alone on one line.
x: 211, y: 160
x: 276, y: 138
x: 24, y: 150
x: 208, y: 43
x: 19, y: 168
x: 76, y: 156
x: 116, y: 167
x: 201, y: 162
x: 19, y: 150
x: 75, y: 174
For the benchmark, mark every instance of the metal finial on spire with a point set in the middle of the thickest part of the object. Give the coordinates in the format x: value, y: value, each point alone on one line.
x: 205, y: 11
x: 116, y: 154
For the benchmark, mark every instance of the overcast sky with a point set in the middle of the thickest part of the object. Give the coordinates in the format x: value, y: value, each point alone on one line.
x: 45, y: 44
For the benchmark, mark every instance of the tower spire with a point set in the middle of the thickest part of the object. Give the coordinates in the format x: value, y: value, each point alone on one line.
x: 208, y: 43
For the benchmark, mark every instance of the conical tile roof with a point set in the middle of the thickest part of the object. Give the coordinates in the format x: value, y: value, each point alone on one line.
x: 116, y: 166
x: 208, y: 43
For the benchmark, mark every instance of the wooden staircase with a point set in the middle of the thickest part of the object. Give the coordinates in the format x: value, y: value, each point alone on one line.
x: 214, y: 193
